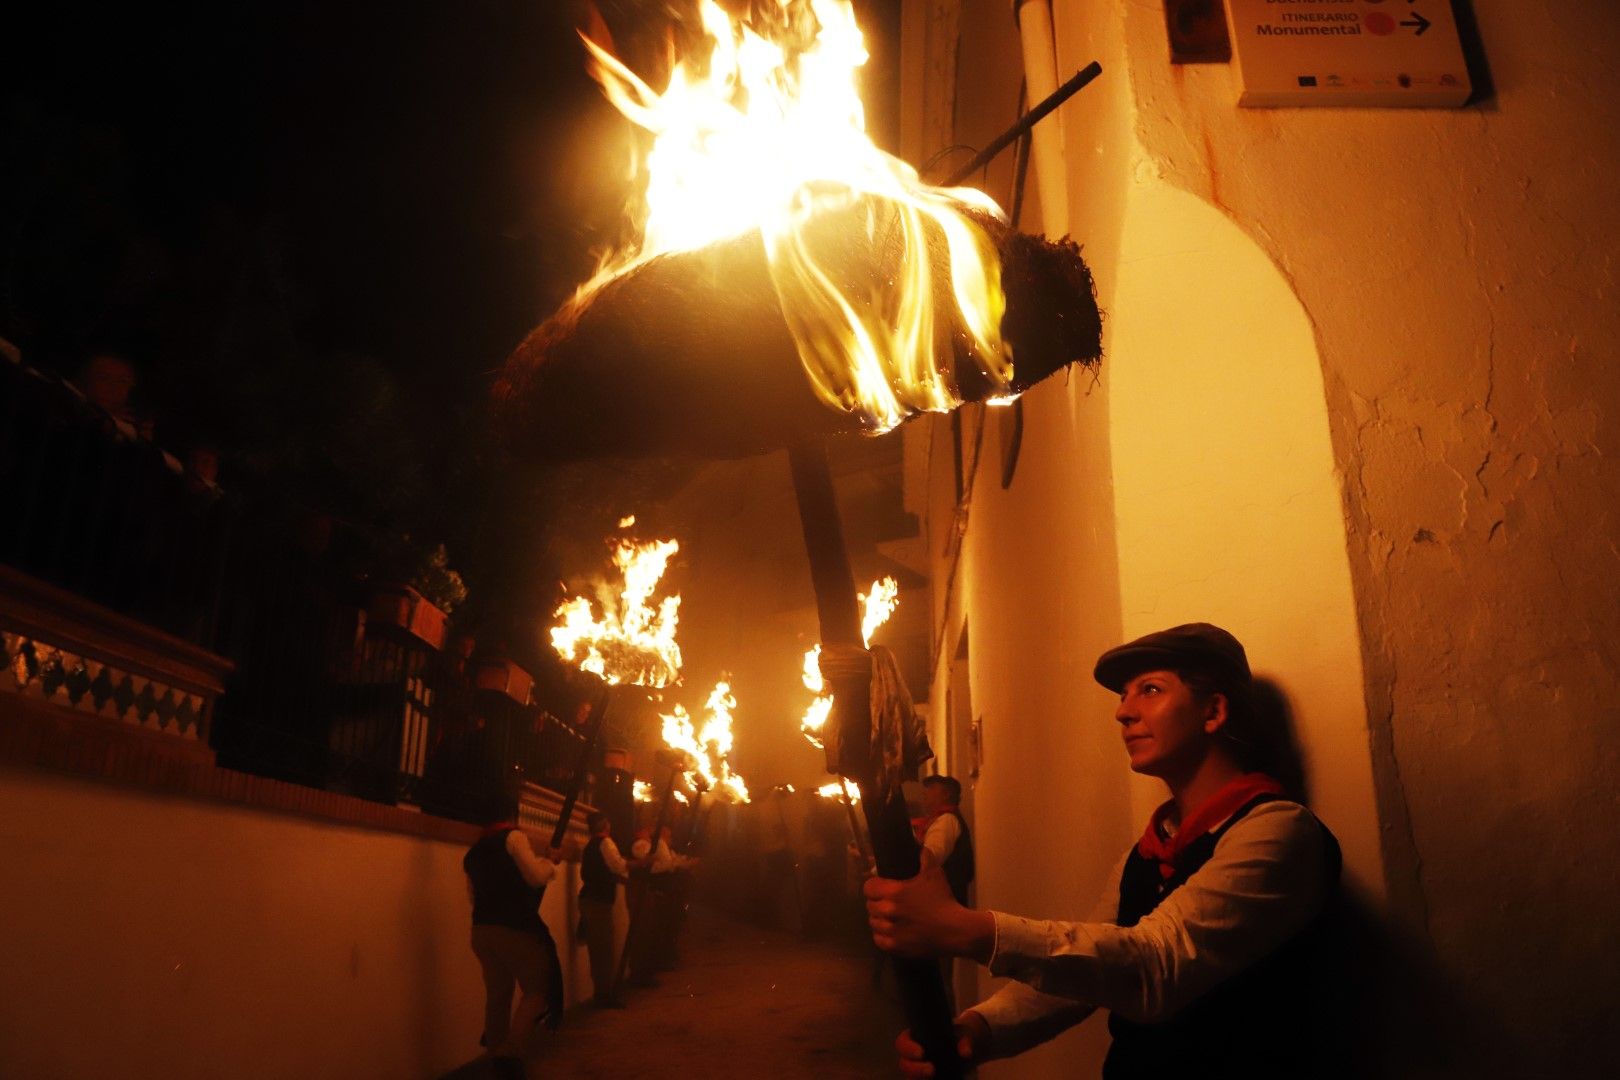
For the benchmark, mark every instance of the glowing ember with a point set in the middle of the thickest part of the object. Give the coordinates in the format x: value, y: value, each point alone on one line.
x: 876, y: 607
x: 831, y: 790
x: 643, y: 791
x: 627, y: 521
x: 707, y: 748
x: 762, y: 128
x: 631, y: 641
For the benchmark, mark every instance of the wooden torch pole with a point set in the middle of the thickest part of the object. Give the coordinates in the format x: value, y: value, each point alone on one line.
x: 639, y: 907
x: 577, y: 783
x: 922, y: 986
x: 854, y: 826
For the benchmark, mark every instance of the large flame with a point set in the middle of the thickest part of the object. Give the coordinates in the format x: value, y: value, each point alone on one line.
x: 837, y: 789
x: 631, y: 641
x: 762, y: 128
x: 877, y: 604
x: 707, y: 748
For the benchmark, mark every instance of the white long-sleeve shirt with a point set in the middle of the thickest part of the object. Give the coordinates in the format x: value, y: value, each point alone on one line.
x: 615, y: 862
x: 1264, y: 883
x: 537, y: 871
x: 941, y: 837
x: 664, y: 861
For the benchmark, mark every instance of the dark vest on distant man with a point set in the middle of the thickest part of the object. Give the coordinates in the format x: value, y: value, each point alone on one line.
x: 500, y: 895
x: 1266, y: 1023
x: 596, y: 880
x: 959, y: 863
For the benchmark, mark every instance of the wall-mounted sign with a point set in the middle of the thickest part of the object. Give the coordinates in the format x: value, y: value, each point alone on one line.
x: 1348, y: 52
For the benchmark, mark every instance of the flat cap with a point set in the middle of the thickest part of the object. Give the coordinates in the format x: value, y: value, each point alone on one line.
x: 1194, y: 645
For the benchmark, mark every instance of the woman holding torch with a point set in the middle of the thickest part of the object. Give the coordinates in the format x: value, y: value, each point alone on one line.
x: 1206, y: 947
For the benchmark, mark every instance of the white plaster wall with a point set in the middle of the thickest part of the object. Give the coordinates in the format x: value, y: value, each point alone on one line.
x: 148, y: 936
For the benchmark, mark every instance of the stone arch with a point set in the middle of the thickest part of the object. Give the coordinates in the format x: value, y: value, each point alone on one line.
x: 1226, y: 499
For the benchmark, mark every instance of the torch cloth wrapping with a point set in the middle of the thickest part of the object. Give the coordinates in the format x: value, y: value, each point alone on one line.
x: 690, y: 354
x: 899, y: 743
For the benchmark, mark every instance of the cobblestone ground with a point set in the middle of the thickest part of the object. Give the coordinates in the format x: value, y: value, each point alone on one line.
x: 744, y: 1002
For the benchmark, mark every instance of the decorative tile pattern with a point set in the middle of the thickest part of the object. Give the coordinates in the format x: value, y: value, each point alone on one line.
x: 87, y: 684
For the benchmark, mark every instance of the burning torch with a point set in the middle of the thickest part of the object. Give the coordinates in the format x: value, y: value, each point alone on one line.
x: 792, y: 281
x: 622, y: 638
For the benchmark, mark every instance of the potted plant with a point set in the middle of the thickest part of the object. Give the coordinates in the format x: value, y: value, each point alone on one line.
x: 503, y: 675
x: 421, y: 608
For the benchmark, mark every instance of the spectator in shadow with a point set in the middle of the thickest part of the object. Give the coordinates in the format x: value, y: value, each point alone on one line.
x: 107, y: 381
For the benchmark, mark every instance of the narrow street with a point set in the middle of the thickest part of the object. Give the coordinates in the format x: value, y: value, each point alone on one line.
x: 744, y: 1002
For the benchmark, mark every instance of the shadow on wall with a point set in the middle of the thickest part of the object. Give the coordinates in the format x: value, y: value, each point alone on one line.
x: 1403, y: 1016
x: 1390, y: 1009
x: 1276, y: 751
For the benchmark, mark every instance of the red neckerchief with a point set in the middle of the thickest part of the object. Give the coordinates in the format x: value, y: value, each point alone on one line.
x: 491, y: 830
x: 1216, y: 809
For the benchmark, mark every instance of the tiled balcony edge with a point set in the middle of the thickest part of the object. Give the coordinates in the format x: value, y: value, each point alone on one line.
x: 35, y: 734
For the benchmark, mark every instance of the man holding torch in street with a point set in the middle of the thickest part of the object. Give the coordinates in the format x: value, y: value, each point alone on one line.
x: 507, y: 880
x: 1207, y: 948
x: 602, y: 870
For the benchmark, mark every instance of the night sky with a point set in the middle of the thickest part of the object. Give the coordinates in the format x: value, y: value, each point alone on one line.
x: 316, y: 230
x: 273, y: 206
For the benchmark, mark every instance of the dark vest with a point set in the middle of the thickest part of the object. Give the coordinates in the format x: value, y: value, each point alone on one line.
x: 1265, y: 1022
x: 959, y: 863
x: 596, y: 880
x: 500, y: 895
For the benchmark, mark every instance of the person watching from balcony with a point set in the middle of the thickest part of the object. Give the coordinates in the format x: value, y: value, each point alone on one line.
x: 202, y: 469
x: 107, y: 381
x: 507, y: 881
x: 1209, y: 946
x: 601, y: 870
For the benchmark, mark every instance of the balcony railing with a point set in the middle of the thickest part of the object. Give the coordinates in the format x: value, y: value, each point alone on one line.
x: 130, y: 592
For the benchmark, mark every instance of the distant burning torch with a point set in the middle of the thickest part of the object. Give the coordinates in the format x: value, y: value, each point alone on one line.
x: 626, y: 636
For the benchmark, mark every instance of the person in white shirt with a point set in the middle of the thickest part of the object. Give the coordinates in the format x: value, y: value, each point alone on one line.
x: 601, y: 870
x: 655, y: 949
x: 1205, y: 947
x: 945, y: 833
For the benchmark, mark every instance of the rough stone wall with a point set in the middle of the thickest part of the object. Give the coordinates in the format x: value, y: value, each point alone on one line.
x: 1458, y: 268
x: 1456, y: 271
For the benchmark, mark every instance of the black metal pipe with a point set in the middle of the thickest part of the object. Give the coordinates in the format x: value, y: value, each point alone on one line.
x: 1076, y: 83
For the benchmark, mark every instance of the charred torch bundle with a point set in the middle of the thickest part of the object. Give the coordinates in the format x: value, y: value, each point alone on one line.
x: 791, y: 280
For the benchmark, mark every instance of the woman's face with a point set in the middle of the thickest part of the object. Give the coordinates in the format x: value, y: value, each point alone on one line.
x: 1167, y: 730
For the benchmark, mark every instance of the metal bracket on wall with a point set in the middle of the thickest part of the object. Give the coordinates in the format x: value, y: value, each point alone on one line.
x: 1197, y: 31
